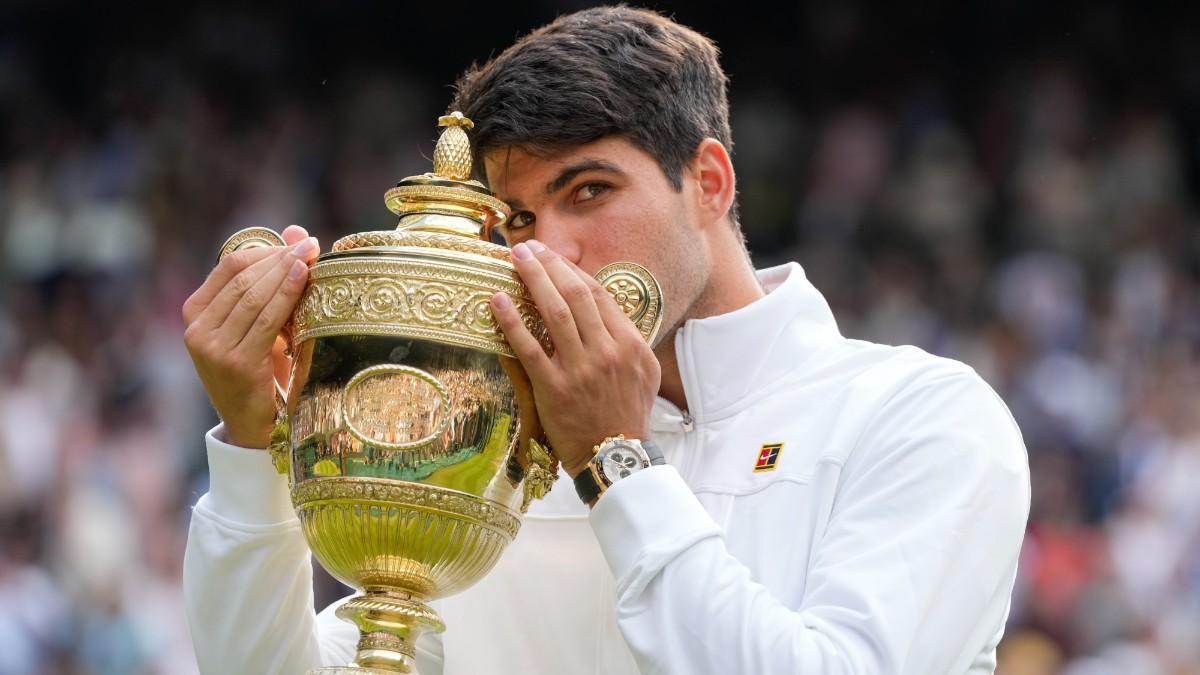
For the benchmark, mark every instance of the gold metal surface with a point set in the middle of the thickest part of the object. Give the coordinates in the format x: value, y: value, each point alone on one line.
x: 418, y: 193
x: 423, y: 239
x: 637, y: 293
x: 428, y: 293
x: 384, y: 401
x: 542, y: 472
x: 251, y: 237
x: 452, y: 157
x: 409, y: 453
x: 448, y: 191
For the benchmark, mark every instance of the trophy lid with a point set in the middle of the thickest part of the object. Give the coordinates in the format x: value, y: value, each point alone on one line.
x: 442, y: 202
x: 432, y: 276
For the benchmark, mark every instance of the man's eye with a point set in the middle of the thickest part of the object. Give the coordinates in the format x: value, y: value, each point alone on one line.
x: 590, y: 191
x: 519, y: 220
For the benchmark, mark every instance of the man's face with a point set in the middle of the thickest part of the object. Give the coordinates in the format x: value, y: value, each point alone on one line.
x: 604, y: 202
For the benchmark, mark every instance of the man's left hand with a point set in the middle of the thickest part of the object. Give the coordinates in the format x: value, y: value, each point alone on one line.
x: 603, y: 377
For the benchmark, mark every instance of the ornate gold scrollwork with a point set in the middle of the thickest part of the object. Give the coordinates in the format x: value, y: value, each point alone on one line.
x: 540, y: 474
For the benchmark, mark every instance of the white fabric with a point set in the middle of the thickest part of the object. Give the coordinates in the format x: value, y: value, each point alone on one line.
x: 884, y: 541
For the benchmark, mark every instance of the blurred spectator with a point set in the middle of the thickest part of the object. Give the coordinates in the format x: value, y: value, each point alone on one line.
x: 1027, y: 206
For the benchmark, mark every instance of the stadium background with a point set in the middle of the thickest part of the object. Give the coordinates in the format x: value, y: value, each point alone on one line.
x: 1008, y: 183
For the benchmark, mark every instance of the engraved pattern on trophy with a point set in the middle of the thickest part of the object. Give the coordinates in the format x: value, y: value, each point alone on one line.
x: 432, y: 300
x: 449, y: 242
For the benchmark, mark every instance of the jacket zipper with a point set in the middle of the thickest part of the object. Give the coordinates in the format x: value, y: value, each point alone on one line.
x: 688, y: 423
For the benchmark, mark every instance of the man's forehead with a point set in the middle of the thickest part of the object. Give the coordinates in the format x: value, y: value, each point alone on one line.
x: 515, y: 162
x: 512, y: 169
x: 511, y: 162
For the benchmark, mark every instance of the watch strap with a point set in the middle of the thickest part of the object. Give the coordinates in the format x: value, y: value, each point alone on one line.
x: 587, y: 486
x: 654, y: 453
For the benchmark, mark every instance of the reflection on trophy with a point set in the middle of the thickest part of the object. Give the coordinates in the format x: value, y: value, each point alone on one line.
x: 409, y: 456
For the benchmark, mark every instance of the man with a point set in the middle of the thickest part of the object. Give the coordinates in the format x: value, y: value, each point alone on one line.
x: 826, y: 505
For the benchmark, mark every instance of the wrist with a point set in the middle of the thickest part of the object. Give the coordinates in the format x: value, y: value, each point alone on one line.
x: 240, y: 438
x: 614, y: 459
x: 578, y: 466
x: 579, y: 460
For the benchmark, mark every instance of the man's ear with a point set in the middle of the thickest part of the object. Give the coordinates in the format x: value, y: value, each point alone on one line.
x: 712, y: 170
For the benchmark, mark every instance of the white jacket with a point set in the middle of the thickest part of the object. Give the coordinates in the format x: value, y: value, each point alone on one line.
x: 885, y: 540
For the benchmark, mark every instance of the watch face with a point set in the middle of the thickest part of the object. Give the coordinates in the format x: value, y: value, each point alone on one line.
x: 620, y: 461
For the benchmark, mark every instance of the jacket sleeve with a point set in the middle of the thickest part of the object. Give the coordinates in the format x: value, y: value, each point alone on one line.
x: 247, y: 578
x: 912, y: 574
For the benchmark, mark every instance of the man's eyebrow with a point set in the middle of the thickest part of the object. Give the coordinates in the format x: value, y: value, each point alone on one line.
x: 566, y: 175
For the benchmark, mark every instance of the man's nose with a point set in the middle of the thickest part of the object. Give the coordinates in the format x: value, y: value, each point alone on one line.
x: 562, y: 240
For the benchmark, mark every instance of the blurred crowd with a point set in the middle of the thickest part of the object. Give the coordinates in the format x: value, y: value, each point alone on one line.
x: 1047, y: 235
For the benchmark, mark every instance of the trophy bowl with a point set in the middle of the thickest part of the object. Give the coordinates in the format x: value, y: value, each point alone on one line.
x: 410, y: 454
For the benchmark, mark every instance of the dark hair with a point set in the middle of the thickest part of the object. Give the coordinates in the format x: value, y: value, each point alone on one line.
x: 601, y: 72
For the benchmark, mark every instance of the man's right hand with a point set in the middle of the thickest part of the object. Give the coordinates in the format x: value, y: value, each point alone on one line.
x: 233, y: 322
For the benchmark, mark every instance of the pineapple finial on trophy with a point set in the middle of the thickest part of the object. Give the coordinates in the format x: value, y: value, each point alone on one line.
x: 446, y: 200
x: 452, y: 157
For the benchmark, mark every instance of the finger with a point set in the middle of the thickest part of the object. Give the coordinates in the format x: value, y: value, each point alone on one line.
x: 246, y: 311
x: 555, y: 311
x: 229, y: 267
x: 616, y: 321
x: 526, y: 347
x: 575, y: 292
x: 217, y: 311
x: 294, y: 234
x: 269, y: 318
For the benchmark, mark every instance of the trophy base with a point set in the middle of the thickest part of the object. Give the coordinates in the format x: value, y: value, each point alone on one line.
x: 389, y: 622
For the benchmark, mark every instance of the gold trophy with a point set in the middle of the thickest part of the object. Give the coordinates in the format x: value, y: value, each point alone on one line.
x: 409, y: 452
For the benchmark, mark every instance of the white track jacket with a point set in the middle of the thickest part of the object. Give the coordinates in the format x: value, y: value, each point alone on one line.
x: 883, y: 538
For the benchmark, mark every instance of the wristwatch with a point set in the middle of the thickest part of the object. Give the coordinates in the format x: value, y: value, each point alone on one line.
x: 615, y: 458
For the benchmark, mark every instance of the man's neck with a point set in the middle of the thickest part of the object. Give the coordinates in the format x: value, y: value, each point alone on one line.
x: 730, y: 288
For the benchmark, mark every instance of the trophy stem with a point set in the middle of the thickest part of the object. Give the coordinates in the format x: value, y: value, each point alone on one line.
x: 389, y: 622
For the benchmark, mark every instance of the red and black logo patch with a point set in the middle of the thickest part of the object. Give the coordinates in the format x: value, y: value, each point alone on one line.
x: 768, y: 457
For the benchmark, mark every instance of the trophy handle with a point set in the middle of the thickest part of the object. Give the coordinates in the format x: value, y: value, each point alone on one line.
x: 250, y: 237
x: 637, y: 293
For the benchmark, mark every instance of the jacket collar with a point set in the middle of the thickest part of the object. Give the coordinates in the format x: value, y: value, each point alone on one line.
x: 730, y: 360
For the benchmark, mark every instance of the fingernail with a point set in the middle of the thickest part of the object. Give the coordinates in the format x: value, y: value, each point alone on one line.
x: 297, y: 270
x: 522, y: 252
x: 536, y: 246
x: 305, y: 248
x: 501, y: 300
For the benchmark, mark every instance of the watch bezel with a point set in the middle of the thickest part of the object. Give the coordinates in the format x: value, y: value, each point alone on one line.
x: 607, y: 448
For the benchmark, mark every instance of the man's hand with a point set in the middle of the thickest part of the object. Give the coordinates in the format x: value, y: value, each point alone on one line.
x: 603, y: 377
x: 233, y: 322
